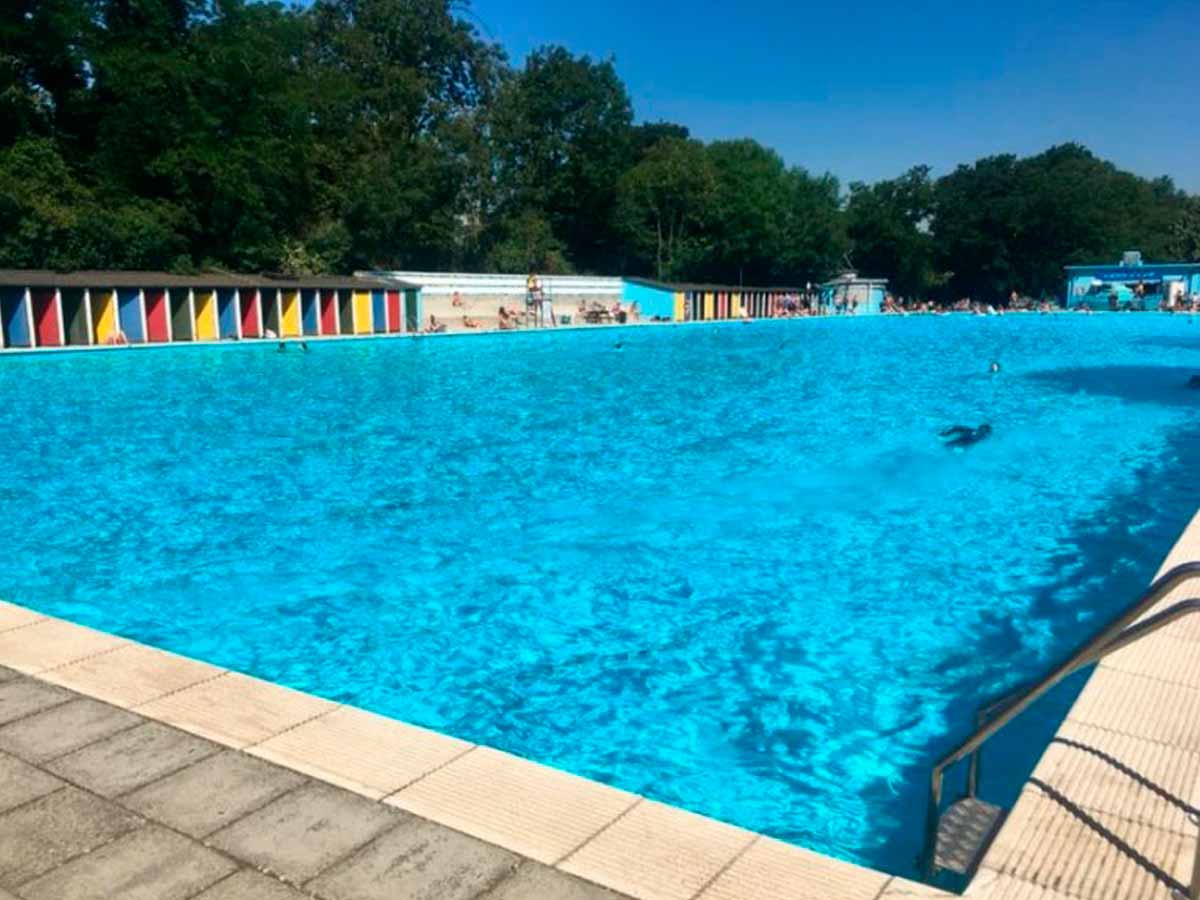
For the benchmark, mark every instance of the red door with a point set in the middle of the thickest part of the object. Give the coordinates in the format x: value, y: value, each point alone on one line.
x: 156, y: 317
x: 249, y: 301
x: 45, y: 319
x: 393, y: 311
x: 329, y: 312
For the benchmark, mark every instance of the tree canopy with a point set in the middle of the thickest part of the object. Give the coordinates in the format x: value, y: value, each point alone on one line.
x: 190, y: 134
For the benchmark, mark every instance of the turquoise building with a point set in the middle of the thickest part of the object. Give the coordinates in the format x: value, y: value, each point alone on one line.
x: 848, y: 294
x: 1132, y: 284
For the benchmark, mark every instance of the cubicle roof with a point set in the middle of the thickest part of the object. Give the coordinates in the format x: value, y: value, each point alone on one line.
x: 135, y: 279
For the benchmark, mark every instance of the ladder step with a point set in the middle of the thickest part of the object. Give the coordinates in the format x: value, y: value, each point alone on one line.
x: 964, y: 832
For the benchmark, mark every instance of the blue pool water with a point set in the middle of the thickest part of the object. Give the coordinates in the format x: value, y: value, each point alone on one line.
x: 727, y: 566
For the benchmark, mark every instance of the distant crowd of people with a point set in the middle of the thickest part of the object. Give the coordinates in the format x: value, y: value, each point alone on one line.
x: 539, y: 312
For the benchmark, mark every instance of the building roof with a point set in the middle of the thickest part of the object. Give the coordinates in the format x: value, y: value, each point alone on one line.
x: 134, y: 279
x: 1147, y: 268
x: 847, y: 278
x: 692, y: 286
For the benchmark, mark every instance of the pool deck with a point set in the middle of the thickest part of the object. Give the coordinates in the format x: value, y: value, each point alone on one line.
x: 127, y: 771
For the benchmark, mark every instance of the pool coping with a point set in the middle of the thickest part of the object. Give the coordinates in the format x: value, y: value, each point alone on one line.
x: 652, y: 851
x: 612, y: 838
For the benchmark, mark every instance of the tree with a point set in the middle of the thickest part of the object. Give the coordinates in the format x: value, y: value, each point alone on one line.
x: 662, y: 201
x: 561, y: 137
x: 1185, y: 233
x: 528, y: 244
x: 1006, y: 224
x: 888, y: 227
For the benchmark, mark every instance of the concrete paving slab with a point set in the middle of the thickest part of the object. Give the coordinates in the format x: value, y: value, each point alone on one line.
x: 13, y: 616
x: 659, y: 852
x: 20, y: 782
x: 151, y: 863
x: 50, y: 643
x: 47, y: 832
x: 533, y: 881
x: 531, y: 809
x: 417, y: 860
x: 132, y: 675
x: 362, y: 752
x: 302, y: 833
x: 773, y: 870
x: 60, y: 730
x: 20, y: 698
x: 212, y: 793
x: 130, y: 759
x: 250, y: 885
x: 236, y: 710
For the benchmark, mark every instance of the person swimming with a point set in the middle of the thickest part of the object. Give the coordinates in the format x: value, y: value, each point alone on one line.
x: 1194, y: 382
x: 282, y: 347
x: 964, y: 435
x: 994, y: 368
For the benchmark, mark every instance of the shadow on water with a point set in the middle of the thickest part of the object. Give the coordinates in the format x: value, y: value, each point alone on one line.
x: 1109, y: 560
x: 1159, y: 385
x: 1171, y: 342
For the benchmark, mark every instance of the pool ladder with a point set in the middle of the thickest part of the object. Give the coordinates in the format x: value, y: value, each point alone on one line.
x: 956, y: 839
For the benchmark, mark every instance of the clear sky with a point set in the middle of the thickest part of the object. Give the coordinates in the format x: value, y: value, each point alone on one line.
x: 867, y: 89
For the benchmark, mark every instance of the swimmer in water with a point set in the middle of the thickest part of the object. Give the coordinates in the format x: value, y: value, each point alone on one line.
x: 964, y: 435
x: 618, y: 345
x: 994, y: 368
x: 282, y: 347
x: 304, y: 346
x: 1194, y: 382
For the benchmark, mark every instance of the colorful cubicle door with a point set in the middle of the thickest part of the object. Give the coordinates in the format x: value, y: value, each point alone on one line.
x: 378, y: 312
x: 269, y: 302
x: 14, y: 309
x: 248, y: 300
x: 129, y: 314
x: 75, y: 321
x: 158, y: 316
x: 204, y: 303
x: 290, y: 314
x: 345, y: 312
x: 309, y: 314
x: 45, y: 318
x: 104, y: 316
x: 329, y: 312
x: 227, y: 312
x: 179, y: 304
x: 362, y: 312
x: 394, y: 322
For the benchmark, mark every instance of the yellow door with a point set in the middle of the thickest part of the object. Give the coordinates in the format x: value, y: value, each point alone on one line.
x: 104, y: 314
x: 362, y: 312
x: 735, y: 306
x: 709, y: 303
x: 679, y: 312
x: 290, y: 325
x: 206, y: 315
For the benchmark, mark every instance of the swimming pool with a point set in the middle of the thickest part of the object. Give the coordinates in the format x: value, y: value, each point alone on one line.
x: 728, y: 566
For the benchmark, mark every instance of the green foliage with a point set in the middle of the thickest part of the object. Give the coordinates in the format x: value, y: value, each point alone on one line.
x: 1007, y: 224
x: 528, y: 244
x: 387, y: 133
x: 1185, y: 233
x: 561, y: 135
x: 888, y: 226
x: 663, y: 201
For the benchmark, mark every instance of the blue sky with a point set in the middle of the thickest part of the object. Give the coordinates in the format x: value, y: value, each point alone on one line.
x: 867, y: 89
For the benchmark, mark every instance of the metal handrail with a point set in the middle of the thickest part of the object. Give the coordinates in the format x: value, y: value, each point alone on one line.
x: 1114, y: 636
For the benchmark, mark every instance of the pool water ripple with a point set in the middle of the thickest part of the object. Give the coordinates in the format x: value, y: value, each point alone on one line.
x: 727, y: 566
